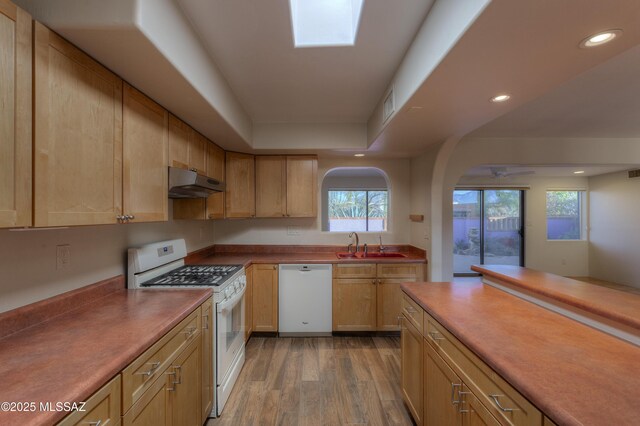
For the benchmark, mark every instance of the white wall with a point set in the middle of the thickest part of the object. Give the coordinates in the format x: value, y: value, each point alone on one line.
x: 446, y: 22
x: 28, y: 258
x: 615, y: 228
x: 315, y: 136
x: 274, y: 231
x: 567, y: 258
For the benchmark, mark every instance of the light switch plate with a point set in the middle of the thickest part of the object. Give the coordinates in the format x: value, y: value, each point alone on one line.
x: 63, y: 256
x: 293, y: 230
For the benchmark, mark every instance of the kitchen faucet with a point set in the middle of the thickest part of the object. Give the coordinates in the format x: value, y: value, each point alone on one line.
x: 381, y: 248
x: 357, y: 240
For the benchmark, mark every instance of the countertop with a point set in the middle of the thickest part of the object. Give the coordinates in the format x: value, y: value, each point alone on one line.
x: 247, y: 259
x: 72, y: 355
x: 608, y: 303
x: 574, y: 374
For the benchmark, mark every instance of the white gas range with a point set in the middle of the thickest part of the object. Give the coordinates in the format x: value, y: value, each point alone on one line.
x: 161, y: 266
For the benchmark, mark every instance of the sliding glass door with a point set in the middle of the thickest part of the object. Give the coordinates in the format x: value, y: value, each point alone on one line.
x: 487, y: 228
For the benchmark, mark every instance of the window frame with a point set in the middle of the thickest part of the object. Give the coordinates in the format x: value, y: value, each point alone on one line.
x: 582, y: 215
x: 366, y: 190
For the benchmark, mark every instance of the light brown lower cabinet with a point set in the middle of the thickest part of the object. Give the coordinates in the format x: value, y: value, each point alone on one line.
x: 248, y: 304
x: 367, y: 297
x: 102, y: 407
x: 458, y: 387
x: 208, y: 386
x: 265, y: 297
x: 411, y: 370
x: 441, y: 390
x: 169, y: 384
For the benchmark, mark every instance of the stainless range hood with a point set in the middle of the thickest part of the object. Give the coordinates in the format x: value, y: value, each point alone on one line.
x: 189, y: 184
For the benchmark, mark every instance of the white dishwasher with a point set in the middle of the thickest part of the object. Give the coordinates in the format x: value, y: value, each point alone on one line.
x: 304, y: 300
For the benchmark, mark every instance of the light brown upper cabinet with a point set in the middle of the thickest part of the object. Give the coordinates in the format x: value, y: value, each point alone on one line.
x: 215, y: 170
x: 271, y: 186
x: 15, y: 120
x: 213, y: 206
x: 286, y: 186
x: 145, y: 152
x: 240, y: 195
x: 77, y: 137
x: 186, y: 146
x: 302, y: 186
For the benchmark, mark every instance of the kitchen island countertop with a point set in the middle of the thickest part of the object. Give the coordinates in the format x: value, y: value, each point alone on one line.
x: 574, y: 374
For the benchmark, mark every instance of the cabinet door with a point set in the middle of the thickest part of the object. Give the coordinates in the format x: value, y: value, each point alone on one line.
x: 441, y: 390
x: 152, y: 409
x: 185, y: 388
x: 411, y: 370
x: 207, y: 360
x: 145, y: 147
x: 240, y: 195
x: 302, y: 186
x: 354, y: 304
x: 215, y: 170
x: 472, y: 411
x: 198, y: 153
x: 103, y: 407
x: 271, y: 186
x: 248, y: 307
x: 15, y: 120
x: 389, y: 303
x: 265, y: 297
x: 179, y: 136
x: 78, y: 136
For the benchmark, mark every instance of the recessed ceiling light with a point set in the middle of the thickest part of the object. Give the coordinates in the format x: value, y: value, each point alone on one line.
x: 600, y: 38
x: 358, y: 155
x: 578, y: 172
x: 500, y: 98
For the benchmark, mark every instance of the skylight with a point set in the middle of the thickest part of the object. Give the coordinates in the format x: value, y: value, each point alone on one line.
x: 318, y: 23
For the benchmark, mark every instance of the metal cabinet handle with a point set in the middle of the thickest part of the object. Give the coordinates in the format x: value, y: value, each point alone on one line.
x: 154, y: 367
x: 193, y: 169
x: 454, y: 401
x: 190, y: 331
x: 462, y: 401
x: 400, y: 320
x: 434, y: 336
x: 178, y: 369
x: 411, y: 309
x: 173, y: 382
x: 500, y: 407
x: 98, y: 423
x: 206, y: 322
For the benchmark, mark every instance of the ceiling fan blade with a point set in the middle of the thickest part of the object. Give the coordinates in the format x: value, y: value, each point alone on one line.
x: 523, y: 173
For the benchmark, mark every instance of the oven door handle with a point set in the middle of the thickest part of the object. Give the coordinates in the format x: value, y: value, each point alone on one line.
x: 229, y: 304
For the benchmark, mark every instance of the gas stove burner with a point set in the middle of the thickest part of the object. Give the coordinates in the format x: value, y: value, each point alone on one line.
x: 195, y: 275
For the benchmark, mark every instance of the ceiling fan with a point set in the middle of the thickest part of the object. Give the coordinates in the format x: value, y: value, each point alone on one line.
x: 501, y: 172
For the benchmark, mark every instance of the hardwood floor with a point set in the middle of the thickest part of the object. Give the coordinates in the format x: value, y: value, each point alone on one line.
x: 318, y: 381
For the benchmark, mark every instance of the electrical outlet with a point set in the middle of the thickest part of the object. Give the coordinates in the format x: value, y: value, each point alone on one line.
x: 63, y: 256
x: 293, y: 230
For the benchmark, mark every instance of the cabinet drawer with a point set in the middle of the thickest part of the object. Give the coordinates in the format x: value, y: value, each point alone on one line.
x: 102, y: 407
x: 144, y: 371
x: 401, y: 270
x: 349, y: 270
x: 412, y: 311
x: 502, y: 400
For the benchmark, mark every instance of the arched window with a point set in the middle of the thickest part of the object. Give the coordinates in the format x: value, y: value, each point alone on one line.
x: 355, y: 199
